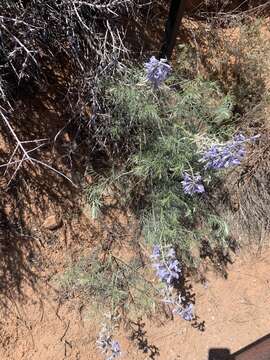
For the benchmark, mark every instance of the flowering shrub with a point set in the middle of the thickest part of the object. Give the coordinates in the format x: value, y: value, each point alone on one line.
x: 192, y: 184
x: 160, y: 133
x: 157, y: 71
x: 157, y: 133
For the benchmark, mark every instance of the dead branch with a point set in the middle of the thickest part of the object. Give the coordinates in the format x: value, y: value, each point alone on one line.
x: 25, y: 153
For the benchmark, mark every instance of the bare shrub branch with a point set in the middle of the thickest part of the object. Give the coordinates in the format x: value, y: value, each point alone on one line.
x: 87, y: 37
x: 25, y: 153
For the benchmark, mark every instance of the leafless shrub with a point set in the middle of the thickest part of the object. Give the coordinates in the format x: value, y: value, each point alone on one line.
x: 88, y: 40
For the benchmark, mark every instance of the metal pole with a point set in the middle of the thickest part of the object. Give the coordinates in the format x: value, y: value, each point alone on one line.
x: 176, y: 13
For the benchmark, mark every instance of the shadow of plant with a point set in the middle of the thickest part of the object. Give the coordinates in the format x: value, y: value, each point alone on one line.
x: 139, y: 336
x: 16, y: 261
x: 185, y: 289
x: 219, y: 258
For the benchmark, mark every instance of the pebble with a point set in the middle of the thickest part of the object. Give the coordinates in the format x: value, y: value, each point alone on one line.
x: 52, y: 222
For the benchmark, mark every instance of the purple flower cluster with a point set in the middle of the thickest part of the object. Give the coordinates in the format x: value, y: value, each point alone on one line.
x: 181, y: 308
x: 108, y: 346
x: 157, y: 71
x: 186, y: 312
x: 192, y: 184
x: 115, y: 348
x: 168, y: 268
x: 222, y: 156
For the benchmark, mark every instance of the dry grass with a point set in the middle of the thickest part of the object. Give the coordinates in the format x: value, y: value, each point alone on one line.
x: 232, y: 52
x: 245, y: 199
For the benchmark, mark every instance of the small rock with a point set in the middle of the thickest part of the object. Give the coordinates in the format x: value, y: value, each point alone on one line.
x: 52, y: 222
x: 8, y: 210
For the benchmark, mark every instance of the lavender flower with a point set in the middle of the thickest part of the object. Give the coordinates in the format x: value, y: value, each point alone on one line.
x: 157, y: 71
x: 192, y: 184
x: 156, y: 252
x: 115, y: 348
x: 166, y: 274
x: 108, y: 346
x: 186, y: 312
x: 224, y: 156
x: 167, y: 267
x: 221, y: 156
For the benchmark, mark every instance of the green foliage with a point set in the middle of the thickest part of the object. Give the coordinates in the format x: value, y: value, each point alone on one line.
x: 94, y: 196
x: 204, y: 101
x: 164, y: 132
x: 133, y: 112
x: 110, y: 283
